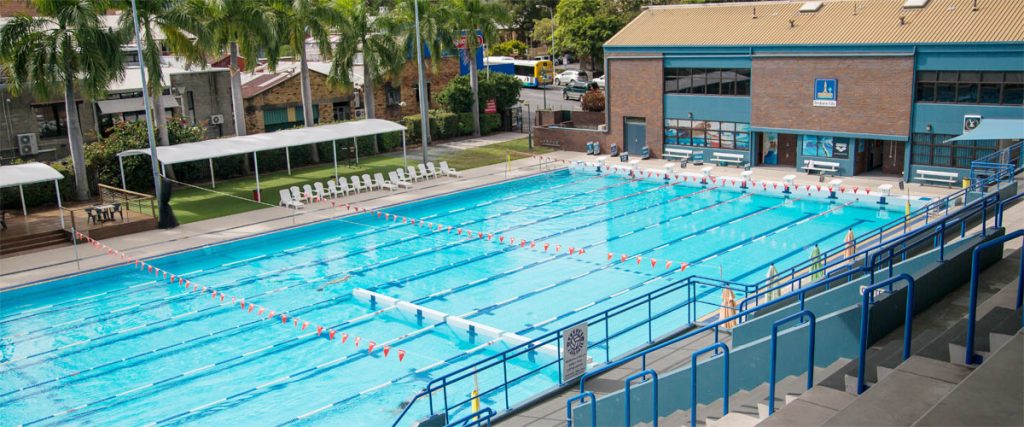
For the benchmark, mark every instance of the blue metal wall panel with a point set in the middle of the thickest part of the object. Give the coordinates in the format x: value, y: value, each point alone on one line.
x: 708, y: 107
x: 949, y: 118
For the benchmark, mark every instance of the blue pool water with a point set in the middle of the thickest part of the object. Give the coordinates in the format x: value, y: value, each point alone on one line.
x: 117, y: 347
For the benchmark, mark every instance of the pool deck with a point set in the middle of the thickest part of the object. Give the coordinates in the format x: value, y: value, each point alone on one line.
x: 21, y: 270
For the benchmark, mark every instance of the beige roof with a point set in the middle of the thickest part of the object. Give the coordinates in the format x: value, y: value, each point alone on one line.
x: 837, y: 22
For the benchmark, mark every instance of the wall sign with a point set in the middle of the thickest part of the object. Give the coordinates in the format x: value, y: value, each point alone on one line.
x: 971, y: 122
x: 574, y: 352
x: 825, y: 92
x: 841, y: 150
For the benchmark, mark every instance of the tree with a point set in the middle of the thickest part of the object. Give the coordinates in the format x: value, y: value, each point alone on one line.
x: 593, y: 99
x: 177, y: 27
x: 297, y: 21
x: 584, y: 26
x: 457, y: 96
x: 513, y: 48
x: 66, y: 46
x: 541, y: 34
x: 367, y: 32
x: 476, y: 16
x: 525, y: 14
x: 244, y: 27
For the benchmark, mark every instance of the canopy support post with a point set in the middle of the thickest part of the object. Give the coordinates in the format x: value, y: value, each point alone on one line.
x: 334, y: 150
x: 288, y: 160
x: 60, y: 206
x: 256, y: 164
x: 213, y: 182
x: 405, y: 157
x: 24, y: 210
x: 163, y: 169
x: 120, y: 161
x: 356, y: 143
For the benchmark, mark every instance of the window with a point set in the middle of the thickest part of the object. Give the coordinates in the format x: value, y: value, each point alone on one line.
x: 711, y: 134
x: 340, y: 111
x: 275, y: 119
x: 970, y: 87
x: 823, y: 146
x: 392, y: 94
x: 416, y: 89
x: 708, y: 81
x: 932, y: 150
x: 51, y: 118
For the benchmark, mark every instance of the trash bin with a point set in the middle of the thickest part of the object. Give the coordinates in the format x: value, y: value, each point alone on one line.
x: 256, y: 195
x: 966, y: 183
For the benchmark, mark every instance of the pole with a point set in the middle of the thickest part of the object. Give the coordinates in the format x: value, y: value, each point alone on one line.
x: 74, y: 242
x: 120, y: 162
x: 424, y: 121
x: 60, y: 207
x: 24, y: 210
x: 355, y: 143
x: 213, y: 182
x: 334, y: 150
x: 256, y: 164
x: 405, y: 156
x: 145, y: 102
x: 530, y: 128
x: 288, y: 159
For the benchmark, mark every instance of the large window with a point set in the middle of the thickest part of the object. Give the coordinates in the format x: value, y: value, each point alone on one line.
x: 712, y: 134
x: 392, y: 94
x: 825, y: 146
x: 971, y: 87
x: 931, y: 150
x: 276, y: 119
x: 708, y: 81
x: 52, y: 119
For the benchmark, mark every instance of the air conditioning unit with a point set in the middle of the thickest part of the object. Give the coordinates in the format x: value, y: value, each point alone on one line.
x: 28, y: 144
x: 217, y: 119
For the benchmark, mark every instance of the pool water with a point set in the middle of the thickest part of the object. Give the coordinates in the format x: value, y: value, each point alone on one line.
x: 118, y: 347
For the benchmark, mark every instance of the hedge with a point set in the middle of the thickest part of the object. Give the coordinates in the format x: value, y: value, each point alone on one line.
x: 446, y: 125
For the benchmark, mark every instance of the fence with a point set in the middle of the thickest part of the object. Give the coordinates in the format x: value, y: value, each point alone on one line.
x: 127, y: 200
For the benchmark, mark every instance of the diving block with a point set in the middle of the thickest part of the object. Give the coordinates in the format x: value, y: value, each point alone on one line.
x: 376, y: 299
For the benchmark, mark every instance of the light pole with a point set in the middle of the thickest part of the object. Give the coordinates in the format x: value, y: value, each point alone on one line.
x: 551, y: 50
x: 145, y: 105
x: 529, y: 134
x: 424, y: 121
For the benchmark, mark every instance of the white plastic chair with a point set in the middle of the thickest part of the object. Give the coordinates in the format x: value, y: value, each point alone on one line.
x: 308, y: 193
x: 318, y: 189
x: 368, y: 182
x: 432, y: 170
x: 449, y: 171
x: 343, y: 186
x: 296, y: 193
x: 382, y: 183
x: 287, y: 201
x: 398, y: 181
x: 412, y: 174
x: 424, y: 172
x: 356, y: 185
x: 401, y: 175
x: 332, y: 189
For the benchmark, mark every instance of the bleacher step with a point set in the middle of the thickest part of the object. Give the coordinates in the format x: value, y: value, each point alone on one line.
x: 734, y: 419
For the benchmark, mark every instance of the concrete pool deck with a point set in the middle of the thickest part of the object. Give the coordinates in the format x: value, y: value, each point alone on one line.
x: 22, y: 270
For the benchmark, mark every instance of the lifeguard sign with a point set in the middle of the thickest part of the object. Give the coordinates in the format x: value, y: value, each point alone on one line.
x: 825, y: 92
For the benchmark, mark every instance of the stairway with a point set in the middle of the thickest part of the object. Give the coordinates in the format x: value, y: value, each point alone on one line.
x: 10, y: 245
x: 925, y: 387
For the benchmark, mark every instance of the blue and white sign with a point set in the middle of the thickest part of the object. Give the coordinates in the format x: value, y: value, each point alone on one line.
x: 574, y: 351
x: 825, y: 92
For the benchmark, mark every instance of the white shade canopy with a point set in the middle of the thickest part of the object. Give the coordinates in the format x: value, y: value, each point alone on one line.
x: 222, y: 147
x: 28, y: 173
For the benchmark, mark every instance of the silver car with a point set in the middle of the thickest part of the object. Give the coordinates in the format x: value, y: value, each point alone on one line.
x: 571, y: 76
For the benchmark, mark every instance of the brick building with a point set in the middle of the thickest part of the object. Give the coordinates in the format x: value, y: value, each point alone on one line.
x: 872, y: 86
x: 389, y: 96
x: 273, y: 101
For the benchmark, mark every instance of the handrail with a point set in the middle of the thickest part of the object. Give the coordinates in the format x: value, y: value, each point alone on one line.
x: 582, y: 398
x: 1002, y: 207
x: 868, y: 296
x: 970, y: 358
x: 475, y: 419
x: 693, y: 379
x: 774, y: 344
x: 654, y: 393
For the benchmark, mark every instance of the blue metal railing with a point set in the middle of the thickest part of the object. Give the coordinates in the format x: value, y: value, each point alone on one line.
x: 582, y: 398
x: 642, y: 376
x: 800, y: 315
x: 999, y: 166
x: 478, y: 418
x: 865, y: 313
x: 685, y: 289
x: 693, y: 379
x: 970, y: 357
x: 1002, y: 206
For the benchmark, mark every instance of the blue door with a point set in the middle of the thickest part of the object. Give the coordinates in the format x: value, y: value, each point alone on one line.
x: 636, y: 136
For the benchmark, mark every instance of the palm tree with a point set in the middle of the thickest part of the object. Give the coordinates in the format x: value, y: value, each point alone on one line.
x: 181, y: 30
x: 65, y: 46
x: 476, y: 16
x: 436, y: 32
x: 245, y: 27
x: 373, y: 35
x: 299, y: 20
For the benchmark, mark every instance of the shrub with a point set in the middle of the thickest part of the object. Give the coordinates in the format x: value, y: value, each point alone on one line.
x: 457, y: 96
x: 593, y: 100
x: 508, y: 48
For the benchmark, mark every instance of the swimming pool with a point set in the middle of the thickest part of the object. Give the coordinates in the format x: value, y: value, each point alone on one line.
x: 117, y: 346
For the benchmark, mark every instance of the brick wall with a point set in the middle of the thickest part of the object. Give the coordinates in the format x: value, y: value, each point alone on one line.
x: 289, y: 94
x: 637, y: 91
x: 447, y: 68
x: 873, y: 94
x: 211, y: 94
x: 568, y: 139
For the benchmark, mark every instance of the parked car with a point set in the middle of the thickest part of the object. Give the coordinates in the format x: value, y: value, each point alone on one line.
x: 575, y: 90
x: 571, y: 76
x: 599, y: 81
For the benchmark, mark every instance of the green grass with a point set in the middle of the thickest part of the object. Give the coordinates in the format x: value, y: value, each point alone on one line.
x: 192, y: 204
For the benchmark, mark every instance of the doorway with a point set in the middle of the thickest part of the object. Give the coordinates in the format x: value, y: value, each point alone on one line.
x: 636, y: 135
x: 883, y: 156
x: 787, y: 149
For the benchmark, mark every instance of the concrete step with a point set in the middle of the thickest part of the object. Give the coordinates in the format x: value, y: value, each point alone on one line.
x: 903, y: 396
x: 812, y: 408
x: 734, y: 419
